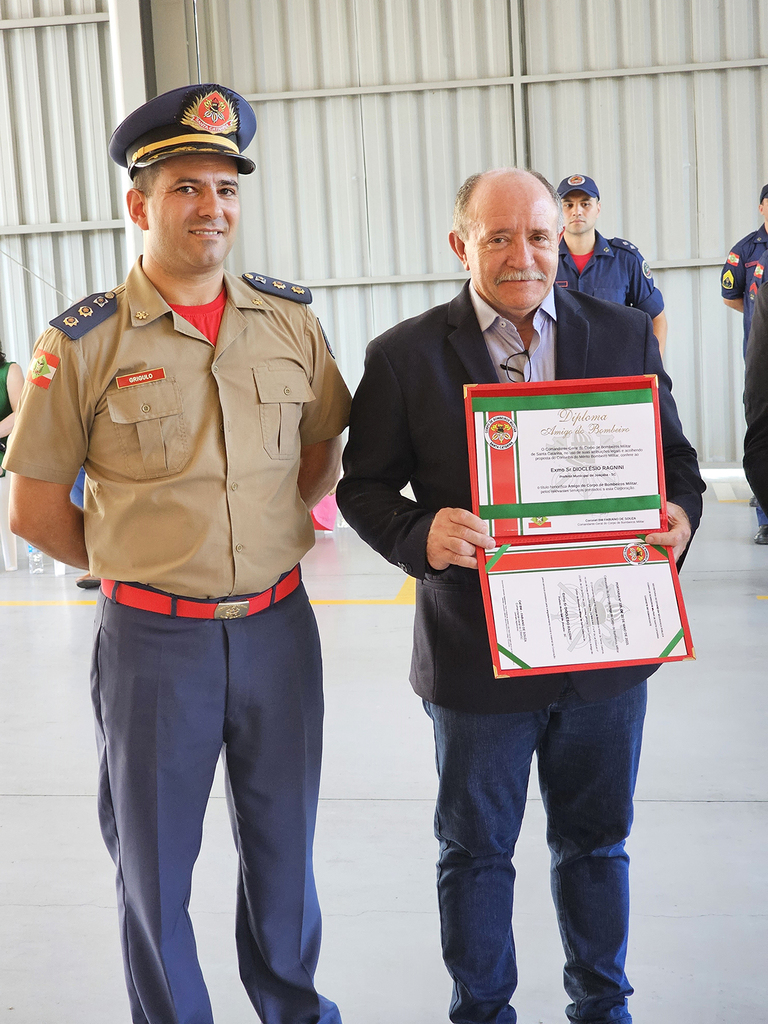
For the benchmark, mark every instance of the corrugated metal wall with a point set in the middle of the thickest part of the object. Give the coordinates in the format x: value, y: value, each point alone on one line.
x: 61, y: 226
x: 647, y: 104
x: 357, y: 170
x: 372, y: 112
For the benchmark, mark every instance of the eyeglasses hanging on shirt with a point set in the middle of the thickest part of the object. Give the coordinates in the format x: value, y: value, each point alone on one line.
x: 517, y: 367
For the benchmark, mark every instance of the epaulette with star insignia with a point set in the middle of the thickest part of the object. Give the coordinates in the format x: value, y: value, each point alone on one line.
x: 647, y: 272
x: 85, y: 315
x: 283, y: 289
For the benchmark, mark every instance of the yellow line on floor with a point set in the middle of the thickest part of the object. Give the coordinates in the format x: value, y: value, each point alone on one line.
x: 407, y: 595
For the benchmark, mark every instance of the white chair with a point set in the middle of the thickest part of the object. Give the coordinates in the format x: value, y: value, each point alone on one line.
x: 7, y: 539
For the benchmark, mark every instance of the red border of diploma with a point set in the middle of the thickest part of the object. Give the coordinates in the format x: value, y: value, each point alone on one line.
x: 597, y: 545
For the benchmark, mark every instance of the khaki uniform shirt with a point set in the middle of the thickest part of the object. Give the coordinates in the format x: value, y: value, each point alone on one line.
x: 192, y: 476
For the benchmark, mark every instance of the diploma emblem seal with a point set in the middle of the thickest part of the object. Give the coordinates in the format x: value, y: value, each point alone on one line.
x: 636, y: 554
x: 500, y: 432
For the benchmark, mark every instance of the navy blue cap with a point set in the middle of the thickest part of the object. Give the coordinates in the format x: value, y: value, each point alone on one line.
x: 193, y: 119
x: 764, y: 193
x: 578, y: 183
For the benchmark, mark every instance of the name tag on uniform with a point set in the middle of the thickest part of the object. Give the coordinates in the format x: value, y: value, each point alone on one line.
x: 142, y: 377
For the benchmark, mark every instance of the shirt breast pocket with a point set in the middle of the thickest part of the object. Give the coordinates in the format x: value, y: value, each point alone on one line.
x: 282, y: 393
x: 615, y: 293
x: 149, y: 422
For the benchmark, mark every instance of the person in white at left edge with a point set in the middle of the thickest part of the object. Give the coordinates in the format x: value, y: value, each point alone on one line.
x: 206, y: 409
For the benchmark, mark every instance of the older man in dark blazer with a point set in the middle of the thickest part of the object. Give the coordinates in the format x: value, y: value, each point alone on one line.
x: 407, y: 426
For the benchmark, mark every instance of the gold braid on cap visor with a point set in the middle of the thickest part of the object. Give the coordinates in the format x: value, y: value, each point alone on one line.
x: 215, y: 140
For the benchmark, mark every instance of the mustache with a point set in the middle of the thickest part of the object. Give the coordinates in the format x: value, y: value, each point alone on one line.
x: 521, y: 275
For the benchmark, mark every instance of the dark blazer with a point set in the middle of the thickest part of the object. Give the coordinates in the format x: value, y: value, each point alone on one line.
x: 756, y: 399
x: 407, y: 425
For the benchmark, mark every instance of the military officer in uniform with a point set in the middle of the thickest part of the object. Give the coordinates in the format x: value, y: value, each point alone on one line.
x: 608, y: 268
x: 206, y: 409
x: 740, y: 278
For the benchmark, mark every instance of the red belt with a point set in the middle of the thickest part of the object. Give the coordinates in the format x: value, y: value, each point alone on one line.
x: 167, y: 604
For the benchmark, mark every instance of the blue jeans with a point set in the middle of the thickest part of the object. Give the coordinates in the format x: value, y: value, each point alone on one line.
x: 588, y: 756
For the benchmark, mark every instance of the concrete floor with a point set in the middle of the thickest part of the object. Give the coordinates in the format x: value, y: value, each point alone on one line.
x: 699, y: 929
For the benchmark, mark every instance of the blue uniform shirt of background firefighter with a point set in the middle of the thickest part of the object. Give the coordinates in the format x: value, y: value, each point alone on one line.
x: 738, y: 279
x: 616, y: 271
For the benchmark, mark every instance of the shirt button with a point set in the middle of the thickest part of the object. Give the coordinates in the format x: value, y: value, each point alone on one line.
x: 215, y: 369
x: 145, y: 408
x: 233, y: 487
x: 286, y: 391
x: 238, y: 547
x: 502, y: 323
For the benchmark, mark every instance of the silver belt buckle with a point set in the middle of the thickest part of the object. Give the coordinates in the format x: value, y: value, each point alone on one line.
x: 231, y: 610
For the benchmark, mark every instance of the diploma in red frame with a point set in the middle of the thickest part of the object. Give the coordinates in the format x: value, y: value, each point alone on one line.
x: 569, y: 476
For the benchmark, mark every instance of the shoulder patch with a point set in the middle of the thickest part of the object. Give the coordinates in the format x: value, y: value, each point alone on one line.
x: 42, y: 368
x: 282, y: 289
x: 733, y: 258
x: 728, y: 281
x: 85, y: 315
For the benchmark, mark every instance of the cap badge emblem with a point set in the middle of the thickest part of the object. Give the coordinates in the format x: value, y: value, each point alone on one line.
x: 211, y: 113
x: 576, y: 179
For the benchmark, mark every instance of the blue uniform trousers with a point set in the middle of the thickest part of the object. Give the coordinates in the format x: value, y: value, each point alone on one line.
x: 169, y: 694
x: 588, y: 756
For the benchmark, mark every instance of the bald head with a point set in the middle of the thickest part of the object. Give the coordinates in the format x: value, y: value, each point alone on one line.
x: 506, y: 235
x: 462, y: 208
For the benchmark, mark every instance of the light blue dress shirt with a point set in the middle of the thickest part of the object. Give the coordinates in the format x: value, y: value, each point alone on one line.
x: 502, y: 340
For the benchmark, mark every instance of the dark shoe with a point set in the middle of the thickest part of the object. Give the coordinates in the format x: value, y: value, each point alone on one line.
x: 761, y: 537
x: 89, y: 582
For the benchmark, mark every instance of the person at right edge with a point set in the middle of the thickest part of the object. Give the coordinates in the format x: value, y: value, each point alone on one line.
x: 740, y: 280
x: 408, y: 426
x: 756, y: 400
